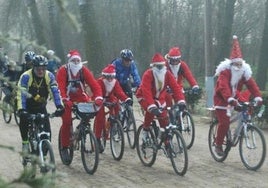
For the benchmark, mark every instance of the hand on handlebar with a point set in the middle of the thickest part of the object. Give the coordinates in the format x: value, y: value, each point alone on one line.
x: 155, y: 111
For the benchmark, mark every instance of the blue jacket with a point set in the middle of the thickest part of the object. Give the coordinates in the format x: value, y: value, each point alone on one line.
x: 123, y: 73
x: 28, y: 91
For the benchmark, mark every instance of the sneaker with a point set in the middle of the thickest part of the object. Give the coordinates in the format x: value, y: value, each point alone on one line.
x: 219, y: 150
x: 145, y: 136
x: 25, y: 148
x: 101, y: 148
x: 65, y: 154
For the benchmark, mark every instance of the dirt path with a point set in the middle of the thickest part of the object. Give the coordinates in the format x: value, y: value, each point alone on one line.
x: 203, y: 171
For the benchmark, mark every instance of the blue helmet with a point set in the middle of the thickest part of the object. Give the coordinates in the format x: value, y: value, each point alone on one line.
x: 29, y: 56
x: 39, y: 60
x: 126, y: 54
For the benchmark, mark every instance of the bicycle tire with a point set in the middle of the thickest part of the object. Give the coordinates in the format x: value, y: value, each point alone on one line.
x: 146, y: 151
x: 189, y: 129
x: 211, y: 143
x: 48, y: 158
x: 7, y: 109
x: 29, y: 164
x: 177, y: 151
x: 16, y: 113
x: 250, y: 157
x: 117, y: 142
x: 131, y: 129
x: 70, y: 151
x: 89, y: 151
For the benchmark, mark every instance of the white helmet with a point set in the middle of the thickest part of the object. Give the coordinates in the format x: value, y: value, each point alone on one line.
x: 50, y: 52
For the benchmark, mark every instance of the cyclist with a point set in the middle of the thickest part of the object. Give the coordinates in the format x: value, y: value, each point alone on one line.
x: 153, y: 90
x: 127, y: 72
x: 112, y: 92
x: 72, y: 79
x: 28, y: 57
x: 232, y: 74
x: 3, y: 60
x: 53, y: 62
x: 180, y: 70
x: 35, y: 85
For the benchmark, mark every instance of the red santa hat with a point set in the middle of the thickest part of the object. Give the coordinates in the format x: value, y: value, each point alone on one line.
x: 158, y: 59
x: 236, y: 54
x: 174, y: 53
x: 73, y: 54
x: 109, y: 70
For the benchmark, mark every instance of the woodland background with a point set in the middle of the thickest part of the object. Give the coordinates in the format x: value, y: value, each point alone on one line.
x: 203, y: 30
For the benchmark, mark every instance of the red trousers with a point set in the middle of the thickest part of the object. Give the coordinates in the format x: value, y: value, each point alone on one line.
x: 223, y: 126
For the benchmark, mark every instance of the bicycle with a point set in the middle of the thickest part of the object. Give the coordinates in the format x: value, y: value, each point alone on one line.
x: 83, y: 138
x: 40, y: 148
x: 252, y: 146
x: 171, y: 142
x: 10, y: 106
x: 192, y: 97
x: 113, y: 131
x: 128, y: 121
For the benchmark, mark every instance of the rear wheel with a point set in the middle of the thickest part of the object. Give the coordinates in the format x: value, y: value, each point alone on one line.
x: 146, y: 150
x: 117, y: 142
x: 212, y: 143
x: 252, y: 148
x: 178, y: 153
x: 7, y: 109
x: 89, y: 151
x: 130, y: 129
x: 62, y: 153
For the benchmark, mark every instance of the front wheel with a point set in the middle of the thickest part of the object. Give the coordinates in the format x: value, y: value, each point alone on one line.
x: 212, y: 134
x: 89, y: 151
x: 146, y: 149
x: 66, y: 156
x: 117, y: 142
x: 252, y: 148
x: 48, y: 165
x: 131, y: 129
x: 178, y: 153
x: 187, y: 129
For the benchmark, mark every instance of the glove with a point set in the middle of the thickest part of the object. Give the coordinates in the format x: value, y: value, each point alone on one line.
x: 155, y: 111
x: 258, y: 101
x: 195, y: 90
x: 59, y: 111
x: 98, y: 102
x: 232, y: 101
x: 182, y: 106
x: 23, y: 114
x: 129, y: 101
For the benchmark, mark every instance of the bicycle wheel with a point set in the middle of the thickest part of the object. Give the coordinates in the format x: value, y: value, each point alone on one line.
x: 29, y: 163
x: 177, y: 151
x: 47, y: 164
x: 16, y: 114
x: 89, y: 151
x: 117, y: 142
x: 146, y: 151
x: 7, y: 110
x: 188, y: 130
x: 70, y: 151
x: 252, y: 148
x: 130, y: 129
x: 211, y: 143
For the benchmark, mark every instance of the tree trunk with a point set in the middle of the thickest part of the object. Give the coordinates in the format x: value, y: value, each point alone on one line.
x: 261, y: 76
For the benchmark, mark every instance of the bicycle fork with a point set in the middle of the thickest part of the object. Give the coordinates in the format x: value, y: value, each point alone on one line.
x: 251, y: 145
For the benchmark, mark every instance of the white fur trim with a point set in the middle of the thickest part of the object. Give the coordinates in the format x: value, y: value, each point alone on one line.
x: 99, y: 97
x: 234, y: 37
x: 74, y: 56
x: 247, y: 70
x: 258, y: 99
x: 195, y: 86
x: 151, y: 106
x: 237, y: 60
x: 108, y: 74
x: 158, y: 63
x: 181, y: 101
x: 226, y: 64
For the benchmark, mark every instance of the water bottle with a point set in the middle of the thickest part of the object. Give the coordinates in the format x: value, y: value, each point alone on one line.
x: 261, y: 111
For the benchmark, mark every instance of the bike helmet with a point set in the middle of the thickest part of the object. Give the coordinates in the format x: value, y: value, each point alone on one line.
x: 39, y: 60
x: 126, y: 54
x: 29, y: 56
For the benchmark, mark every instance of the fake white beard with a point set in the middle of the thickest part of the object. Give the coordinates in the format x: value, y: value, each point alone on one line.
x: 109, y: 85
x: 75, y: 67
x: 236, y: 76
x: 159, y: 76
x: 175, y: 69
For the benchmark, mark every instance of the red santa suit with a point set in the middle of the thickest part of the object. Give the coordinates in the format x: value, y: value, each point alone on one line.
x: 230, y: 82
x: 72, y: 79
x: 180, y: 70
x: 153, y: 90
x: 112, y: 92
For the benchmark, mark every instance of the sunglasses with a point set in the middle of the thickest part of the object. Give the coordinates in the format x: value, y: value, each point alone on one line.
x: 109, y: 76
x: 160, y: 66
x: 174, y: 60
